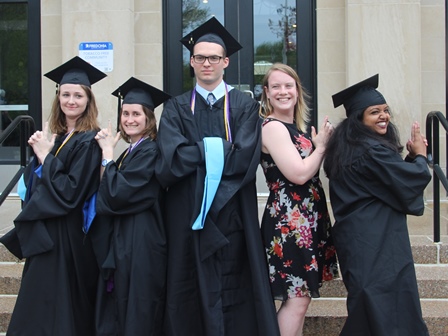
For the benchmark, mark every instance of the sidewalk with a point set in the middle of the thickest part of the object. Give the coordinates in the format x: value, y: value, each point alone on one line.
x: 8, y: 211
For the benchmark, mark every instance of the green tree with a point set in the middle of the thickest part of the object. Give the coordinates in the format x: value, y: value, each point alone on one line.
x: 193, y: 15
x: 269, y: 52
x: 273, y: 52
x: 285, y: 29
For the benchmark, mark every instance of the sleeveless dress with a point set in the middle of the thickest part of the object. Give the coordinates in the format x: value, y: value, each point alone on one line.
x: 296, y: 228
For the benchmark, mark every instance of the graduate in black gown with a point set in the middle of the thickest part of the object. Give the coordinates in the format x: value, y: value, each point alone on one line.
x: 132, y: 289
x: 372, y: 189
x: 217, y: 281
x: 57, y: 292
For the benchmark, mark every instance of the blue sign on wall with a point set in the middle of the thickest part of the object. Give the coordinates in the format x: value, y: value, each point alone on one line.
x: 98, y: 54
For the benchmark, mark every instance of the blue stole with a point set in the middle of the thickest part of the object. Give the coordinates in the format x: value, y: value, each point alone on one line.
x: 214, y: 165
x: 21, y: 186
x: 89, y: 211
x: 89, y: 208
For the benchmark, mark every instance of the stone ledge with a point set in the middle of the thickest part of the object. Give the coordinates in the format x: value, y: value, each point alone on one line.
x: 10, y: 277
x: 5, y: 255
x: 432, y: 283
x: 327, y: 317
x: 425, y: 251
x: 7, y: 303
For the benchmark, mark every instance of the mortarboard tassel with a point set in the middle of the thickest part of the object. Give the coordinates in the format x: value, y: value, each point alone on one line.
x: 118, y: 111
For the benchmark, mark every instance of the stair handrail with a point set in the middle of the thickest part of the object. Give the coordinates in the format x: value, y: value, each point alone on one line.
x: 27, y: 127
x: 433, y: 120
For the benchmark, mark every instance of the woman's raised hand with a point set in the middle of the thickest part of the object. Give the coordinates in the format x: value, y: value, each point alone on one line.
x: 42, y: 142
x: 320, y: 139
x: 106, y: 139
x: 417, y: 144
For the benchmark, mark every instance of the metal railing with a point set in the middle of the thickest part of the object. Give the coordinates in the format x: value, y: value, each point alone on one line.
x: 433, y: 120
x: 27, y: 127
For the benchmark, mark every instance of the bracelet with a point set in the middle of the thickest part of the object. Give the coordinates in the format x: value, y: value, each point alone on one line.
x: 105, y: 162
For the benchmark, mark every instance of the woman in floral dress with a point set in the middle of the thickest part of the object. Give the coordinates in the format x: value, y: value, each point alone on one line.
x: 296, y: 224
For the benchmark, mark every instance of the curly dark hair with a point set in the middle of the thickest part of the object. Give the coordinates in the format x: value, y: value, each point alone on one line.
x: 350, y: 134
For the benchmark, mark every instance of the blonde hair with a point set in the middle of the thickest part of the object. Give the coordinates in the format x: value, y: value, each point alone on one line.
x: 301, y: 113
x: 86, y: 122
x: 150, y: 129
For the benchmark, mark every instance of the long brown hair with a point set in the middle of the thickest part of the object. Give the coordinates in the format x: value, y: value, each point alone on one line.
x: 86, y: 122
x: 150, y: 129
x: 301, y: 113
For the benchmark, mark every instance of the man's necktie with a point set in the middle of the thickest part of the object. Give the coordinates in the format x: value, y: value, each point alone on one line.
x: 211, y: 99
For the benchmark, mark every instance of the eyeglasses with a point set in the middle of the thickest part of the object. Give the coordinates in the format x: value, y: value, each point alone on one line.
x: 199, y: 59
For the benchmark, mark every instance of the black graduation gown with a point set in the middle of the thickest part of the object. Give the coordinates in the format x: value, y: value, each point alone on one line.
x: 217, y: 282
x: 57, y: 292
x: 128, y: 207
x: 370, y: 202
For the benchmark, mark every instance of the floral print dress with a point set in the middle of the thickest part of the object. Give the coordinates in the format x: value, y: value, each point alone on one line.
x: 296, y: 229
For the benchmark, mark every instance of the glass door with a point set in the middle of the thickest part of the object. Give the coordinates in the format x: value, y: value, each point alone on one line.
x: 20, y: 76
x: 267, y: 36
x: 274, y: 37
x: 19, y: 38
x: 13, y: 71
x: 196, y: 12
x: 269, y: 30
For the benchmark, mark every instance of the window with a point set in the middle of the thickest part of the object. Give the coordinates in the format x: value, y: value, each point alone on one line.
x: 19, y: 38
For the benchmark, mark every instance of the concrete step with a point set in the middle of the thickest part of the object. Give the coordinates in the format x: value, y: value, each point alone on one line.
x: 327, y: 316
x: 7, y: 303
x: 10, y: 277
x: 425, y: 251
x: 6, y: 256
x: 432, y: 283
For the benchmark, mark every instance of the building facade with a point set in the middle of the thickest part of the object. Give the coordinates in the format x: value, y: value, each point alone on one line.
x: 331, y: 43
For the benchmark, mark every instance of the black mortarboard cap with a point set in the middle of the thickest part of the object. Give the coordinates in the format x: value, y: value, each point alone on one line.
x: 76, y: 71
x: 359, y: 96
x: 134, y: 91
x: 211, y: 31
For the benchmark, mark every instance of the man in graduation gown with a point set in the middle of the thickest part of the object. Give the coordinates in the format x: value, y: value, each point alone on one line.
x: 217, y: 280
x: 372, y: 189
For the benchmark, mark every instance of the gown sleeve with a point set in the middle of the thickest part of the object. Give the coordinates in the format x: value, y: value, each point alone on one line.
x: 128, y: 190
x: 179, y: 155
x: 398, y: 183
x: 182, y: 150
x: 64, y: 184
x: 243, y: 156
x: 240, y: 155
